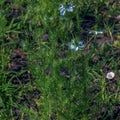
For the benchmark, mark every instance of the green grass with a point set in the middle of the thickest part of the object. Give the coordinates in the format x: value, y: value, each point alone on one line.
x: 72, y: 85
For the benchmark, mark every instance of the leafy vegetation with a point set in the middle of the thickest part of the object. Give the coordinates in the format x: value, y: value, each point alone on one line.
x: 54, y: 58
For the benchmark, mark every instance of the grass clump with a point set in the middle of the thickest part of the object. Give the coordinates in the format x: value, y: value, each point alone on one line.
x: 54, y: 58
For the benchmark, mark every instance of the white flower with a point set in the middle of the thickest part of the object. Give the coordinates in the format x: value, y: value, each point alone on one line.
x: 118, y: 17
x: 110, y: 75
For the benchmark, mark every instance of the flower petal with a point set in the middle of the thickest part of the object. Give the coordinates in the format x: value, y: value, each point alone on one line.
x: 110, y: 75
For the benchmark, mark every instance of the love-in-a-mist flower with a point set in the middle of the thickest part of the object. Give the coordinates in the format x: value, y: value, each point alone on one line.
x: 72, y: 45
x: 96, y: 32
x: 69, y: 7
x: 63, y: 8
x: 110, y: 75
x: 81, y: 44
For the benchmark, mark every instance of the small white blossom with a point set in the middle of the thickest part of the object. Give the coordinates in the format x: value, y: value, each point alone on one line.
x: 118, y: 17
x: 110, y: 75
